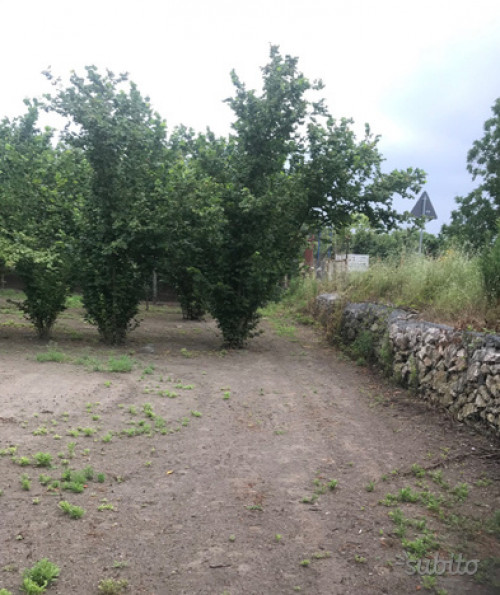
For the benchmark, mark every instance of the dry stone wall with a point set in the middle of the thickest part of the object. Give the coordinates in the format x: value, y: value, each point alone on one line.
x: 455, y: 369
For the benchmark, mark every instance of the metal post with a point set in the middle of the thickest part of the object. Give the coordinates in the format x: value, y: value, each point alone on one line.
x: 423, y: 226
x: 319, y: 248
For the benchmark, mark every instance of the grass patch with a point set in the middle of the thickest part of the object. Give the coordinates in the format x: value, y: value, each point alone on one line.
x: 120, y: 364
x: 51, y: 355
x: 111, y: 586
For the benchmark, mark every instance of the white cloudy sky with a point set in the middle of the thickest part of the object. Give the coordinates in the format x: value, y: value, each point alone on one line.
x: 423, y: 74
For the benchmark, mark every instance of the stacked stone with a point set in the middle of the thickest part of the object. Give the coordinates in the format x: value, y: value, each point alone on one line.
x: 454, y: 369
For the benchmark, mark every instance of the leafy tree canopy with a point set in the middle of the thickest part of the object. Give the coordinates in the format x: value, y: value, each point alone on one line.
x: 124, y: 143
x: 474, y: 222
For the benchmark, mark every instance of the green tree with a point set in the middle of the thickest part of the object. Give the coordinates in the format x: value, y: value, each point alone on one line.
x: 189, y: 220
x: 41, y: 190
x: 362, y: 238
x: 474, y: 222
x: 123, y: 141
x: 282, y: 170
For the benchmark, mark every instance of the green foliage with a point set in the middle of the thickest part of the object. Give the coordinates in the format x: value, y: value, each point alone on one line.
x: 362, y: 238
x: 273, y: 177
x: 39, y: 577
x: 363, y: 346
x: 221, y: 219
x: 123, y: 142
x: 51, y: 355
x: 25, y: 482
x: 111, y: 586
x: 43, y: 459
x: 41, y: 189
x: 46, y: 284
x: 489, y: 263
x: 120, y: 364
x: 74, y: 512
x: 474, y: 222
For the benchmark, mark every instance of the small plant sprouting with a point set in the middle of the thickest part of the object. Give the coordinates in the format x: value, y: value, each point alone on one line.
x: 25, y: 482
x: 408, y: 495
x: 461, y: 491
x: 332, y: 484
x: 278, y: 537
x: 120, y: 564
x: 305, y: 562
x: 88, y: 472
x: 105, y: 506
x: 417, y: 470
x: 43, y: 459
x: 37, y: 578
x: 23, y: 461
x: 101, y: 478
x: 429, y: 582
x: 40, y: 431
x: 110, y: 586
x: 120, y: 364
x: 254, y: 507
x: 87, y: 432
x: 483, y: 482
x: 437, y: 477
x: 107, y: 437
x: 148, y: 410
x: 226, y: 396
x: 71, y: 449
x: 74, y: 512
x: 195, y: 413
x: 370, y: 486
x: 360, y: 559
x: 232, y: 538
x: 321, y: 555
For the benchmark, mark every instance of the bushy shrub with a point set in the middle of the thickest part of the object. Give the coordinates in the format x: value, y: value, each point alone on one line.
x: 490, y: 269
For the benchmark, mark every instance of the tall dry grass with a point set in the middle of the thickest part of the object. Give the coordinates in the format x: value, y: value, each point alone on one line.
x: 447, y: 289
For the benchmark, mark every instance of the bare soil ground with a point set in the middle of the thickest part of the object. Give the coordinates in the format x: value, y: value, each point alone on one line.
x: 218, y: 467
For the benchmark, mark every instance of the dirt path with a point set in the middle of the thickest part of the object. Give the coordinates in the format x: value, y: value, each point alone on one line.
x: 214, y: 503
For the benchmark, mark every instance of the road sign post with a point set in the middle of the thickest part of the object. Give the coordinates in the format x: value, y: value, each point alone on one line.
x: 424, y: 209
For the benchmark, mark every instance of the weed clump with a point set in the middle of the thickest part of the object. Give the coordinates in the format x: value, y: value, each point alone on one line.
x: 39, y: 577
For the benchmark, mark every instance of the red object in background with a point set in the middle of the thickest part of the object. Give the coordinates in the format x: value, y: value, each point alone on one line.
x: 309, y: 257
x: 309, y: 253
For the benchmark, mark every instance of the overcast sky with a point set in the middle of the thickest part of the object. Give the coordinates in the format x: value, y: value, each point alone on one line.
x: 423, y: 74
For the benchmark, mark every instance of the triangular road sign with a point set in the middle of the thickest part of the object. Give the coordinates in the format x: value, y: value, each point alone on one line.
x: 424, y: 207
